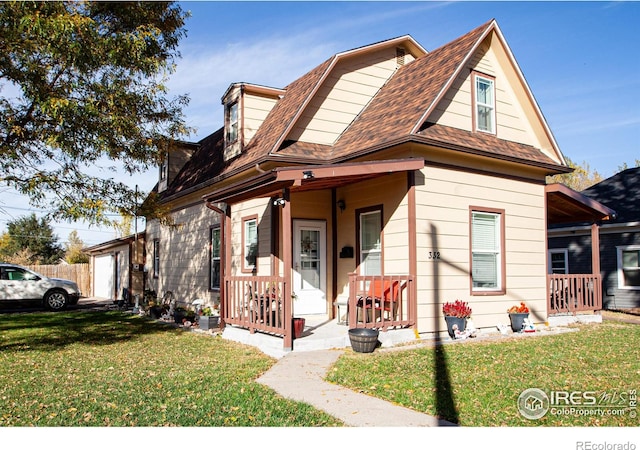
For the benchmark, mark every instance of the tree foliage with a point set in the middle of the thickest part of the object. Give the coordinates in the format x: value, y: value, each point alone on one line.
x: 82, y: 95
x: 74, y: 253
x: 32, y: 241
x: 580, y: 179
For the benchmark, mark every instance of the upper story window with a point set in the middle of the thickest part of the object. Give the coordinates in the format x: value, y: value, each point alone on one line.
x: 163, y: 170
x: 232, y: 122
x: 484, y: 99
x: 629, y: 267
x: 487, y: 252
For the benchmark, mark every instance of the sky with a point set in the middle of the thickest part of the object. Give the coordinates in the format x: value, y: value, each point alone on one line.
x: 580, y: 59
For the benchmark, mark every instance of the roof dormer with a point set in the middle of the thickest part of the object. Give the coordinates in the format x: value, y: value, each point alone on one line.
x: 174, y: 159
x: 245, y: 108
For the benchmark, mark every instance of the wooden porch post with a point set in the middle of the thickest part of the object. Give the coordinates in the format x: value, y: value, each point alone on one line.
x: 287, y: 262
x: 412, y: 304
x: 595, y: 249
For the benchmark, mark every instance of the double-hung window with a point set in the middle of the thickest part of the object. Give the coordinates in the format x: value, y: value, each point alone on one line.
x: 487, y: 251
x: 214, y: 246
x: 232, y: 122
x: 484, y: 103
x: 156, y: 258
x: 629, y: 267
x: 250, y: 243
x: 370, y: 224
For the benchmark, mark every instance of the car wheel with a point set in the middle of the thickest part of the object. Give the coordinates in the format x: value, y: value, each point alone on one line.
x: 56, y: 300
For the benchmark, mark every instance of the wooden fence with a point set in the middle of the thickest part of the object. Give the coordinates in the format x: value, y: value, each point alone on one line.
x: 74, y: 272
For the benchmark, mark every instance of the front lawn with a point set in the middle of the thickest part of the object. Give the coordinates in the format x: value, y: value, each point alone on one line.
x: 478, y: 383
x: 114, y: 369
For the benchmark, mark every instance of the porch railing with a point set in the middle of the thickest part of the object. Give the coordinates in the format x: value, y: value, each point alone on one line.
x: 381, y: 301
x: 256, y: 303
x: 574, y: 293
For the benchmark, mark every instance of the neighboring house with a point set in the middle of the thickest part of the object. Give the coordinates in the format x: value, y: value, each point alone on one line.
x: 416, y: 177
x: 117, y: 268
x: 619, y: 241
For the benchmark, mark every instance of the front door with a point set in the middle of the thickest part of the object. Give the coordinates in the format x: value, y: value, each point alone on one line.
x: 309, y: 267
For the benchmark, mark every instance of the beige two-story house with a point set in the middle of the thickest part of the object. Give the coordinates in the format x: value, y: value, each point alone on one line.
x: 384, y: 182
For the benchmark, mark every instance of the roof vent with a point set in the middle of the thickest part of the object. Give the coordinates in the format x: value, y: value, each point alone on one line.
x: 400, y: 56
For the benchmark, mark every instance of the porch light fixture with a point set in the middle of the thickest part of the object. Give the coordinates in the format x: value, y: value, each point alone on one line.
x: 279, y: 202
x: 341, y: 204
x: 307, y: 174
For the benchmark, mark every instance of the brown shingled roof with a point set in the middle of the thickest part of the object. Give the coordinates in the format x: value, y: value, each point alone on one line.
x: 482, y: 143
x: 394, y: 115
x: 201, y: 168
x: 406, y: 97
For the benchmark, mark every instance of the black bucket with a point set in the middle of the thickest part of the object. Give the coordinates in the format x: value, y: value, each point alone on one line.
x: 363, y: 340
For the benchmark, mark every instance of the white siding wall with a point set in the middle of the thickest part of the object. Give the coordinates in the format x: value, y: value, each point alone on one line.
x: 350, y: 86
x: 255, y: 111
x: 443, y: 226
x: 456, y: 108
x: 184, y: 254
x: 260, y: 207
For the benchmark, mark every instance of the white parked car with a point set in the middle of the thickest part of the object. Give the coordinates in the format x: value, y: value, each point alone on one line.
x: 19, y: 284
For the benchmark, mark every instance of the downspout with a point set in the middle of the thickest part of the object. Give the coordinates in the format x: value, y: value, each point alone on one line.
x: 223, y: 256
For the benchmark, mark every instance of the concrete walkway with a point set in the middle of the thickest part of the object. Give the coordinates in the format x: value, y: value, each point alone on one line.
x: 299, y: 376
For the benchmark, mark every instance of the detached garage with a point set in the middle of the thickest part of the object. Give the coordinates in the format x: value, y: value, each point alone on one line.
x: 115, y: 267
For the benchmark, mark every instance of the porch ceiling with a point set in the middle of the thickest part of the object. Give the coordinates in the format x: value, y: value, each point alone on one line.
x: 564, y: 205
x: 306, y: 178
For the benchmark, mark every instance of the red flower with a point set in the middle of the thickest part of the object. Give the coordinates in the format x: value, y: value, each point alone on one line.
x: 457, y: 309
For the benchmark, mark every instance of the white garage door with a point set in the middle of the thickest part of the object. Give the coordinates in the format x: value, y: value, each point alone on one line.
x: 103, y: 276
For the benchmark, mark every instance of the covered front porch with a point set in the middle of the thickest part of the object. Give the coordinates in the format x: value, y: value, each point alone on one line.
x: 571, y: 293
x: 265, y: 305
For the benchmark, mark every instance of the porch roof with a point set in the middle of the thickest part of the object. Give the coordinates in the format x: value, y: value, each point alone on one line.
x: 564, y: 205
x: 311, y: 177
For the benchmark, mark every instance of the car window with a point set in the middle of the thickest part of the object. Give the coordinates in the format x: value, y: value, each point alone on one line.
x: 15, y: 274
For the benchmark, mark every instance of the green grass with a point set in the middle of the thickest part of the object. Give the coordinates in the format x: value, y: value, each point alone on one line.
x: 114, y: 369
x: 478, y: 383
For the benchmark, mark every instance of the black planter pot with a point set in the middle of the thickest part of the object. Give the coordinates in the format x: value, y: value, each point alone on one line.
x: 517, y: 321
x: 155, y: 312
x: 451, y: 321
x: 363, y: 340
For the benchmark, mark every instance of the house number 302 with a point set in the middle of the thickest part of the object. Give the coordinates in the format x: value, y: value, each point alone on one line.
x: 434, y: 255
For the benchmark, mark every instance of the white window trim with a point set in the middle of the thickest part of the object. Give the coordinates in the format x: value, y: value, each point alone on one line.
x: 377, y: 250
x: 230, y: 105
x: 212, y: 259
x: 246, y: 244
x: 476, y: 104
x: 499, y: 252
x: 619, y: 250
x: 555, y: 251
x: 156, y: 258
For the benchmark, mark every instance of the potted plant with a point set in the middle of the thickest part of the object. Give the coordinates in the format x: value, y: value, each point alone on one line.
x: 208, y: 319
x: 456, y: 314
x: 182, y: 314
x: 517, y: 316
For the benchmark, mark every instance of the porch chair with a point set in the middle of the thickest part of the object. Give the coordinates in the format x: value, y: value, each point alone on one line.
x: 379, y: 298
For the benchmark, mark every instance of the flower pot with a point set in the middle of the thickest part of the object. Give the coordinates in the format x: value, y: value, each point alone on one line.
x: 298, y: 326
x: 363, y: 340
x: 208, y: 322
x: 451, y: 321
x: 517, y: 321
x: 155, y: 312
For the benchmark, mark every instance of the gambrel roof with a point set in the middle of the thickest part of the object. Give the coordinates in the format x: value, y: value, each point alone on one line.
x: 398, y: 113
